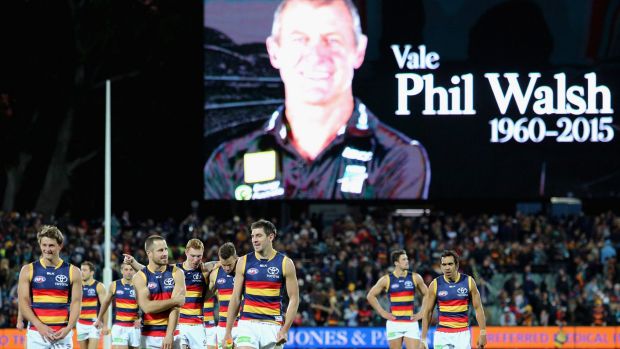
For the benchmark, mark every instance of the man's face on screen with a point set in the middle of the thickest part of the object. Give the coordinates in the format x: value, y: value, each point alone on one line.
x: 316, y: 51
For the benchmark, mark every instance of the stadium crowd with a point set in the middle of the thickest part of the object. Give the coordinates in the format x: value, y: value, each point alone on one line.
x: 530, y: 270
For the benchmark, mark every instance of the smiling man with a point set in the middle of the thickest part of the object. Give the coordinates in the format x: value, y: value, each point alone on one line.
x: 50, y: 294
x: 322, y: 143
x: 260, y: 280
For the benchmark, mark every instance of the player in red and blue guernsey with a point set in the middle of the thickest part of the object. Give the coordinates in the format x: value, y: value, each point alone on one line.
x: 160, y: 292
x: 221, y: 282
x: 125, y: 319
x: 93, y: 294
x: 192, y: 333
x: 400, y: 286
x: 452, y: 293
x: 260, y: 278
x: 50, y: 294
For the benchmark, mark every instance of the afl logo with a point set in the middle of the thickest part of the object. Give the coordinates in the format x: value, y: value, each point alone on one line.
x: 252, y: 271
x: 169, y: 282
x: 196, y: 276
x: 39, y: 279
x: 61, y: 278
x: 152, y: 285
x: 442, y: 293
x: 395, y: 286
x: 273, y: 271
x: 462, y: 291
x: 221, y: 281
x: 120, y: 292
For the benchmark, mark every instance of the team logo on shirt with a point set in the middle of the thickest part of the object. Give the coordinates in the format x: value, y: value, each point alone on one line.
x: 462, y: 291
x: 395, y: 286
x: 196, y: 276
x: 132, y: 293
x: 39, y: 279
x: 152, y: 285
x: 61, y: 278
x: 353, y: 179
x: 120, y: 292
x: 408, y: 284
x: 273, y: 271
x: 221, y: 281
x: 252, y: 271
x: 91, y: 292
x: 169, y: 282
x: 442, y: 293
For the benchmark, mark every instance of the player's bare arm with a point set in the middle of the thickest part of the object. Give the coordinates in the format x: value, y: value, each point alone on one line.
x: 372, y: 295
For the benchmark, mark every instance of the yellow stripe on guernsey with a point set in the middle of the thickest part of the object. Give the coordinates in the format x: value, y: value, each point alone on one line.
x: 268, y: 292
x: 49, y: 299
x: 402, y: 299
x: 261, y: 310
x: 453, y: 308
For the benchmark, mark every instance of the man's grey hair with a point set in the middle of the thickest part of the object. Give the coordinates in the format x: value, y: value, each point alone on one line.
x: 357, y: 24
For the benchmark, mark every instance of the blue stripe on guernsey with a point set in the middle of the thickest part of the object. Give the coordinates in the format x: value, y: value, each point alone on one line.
x: 90, y: 303
x: 125, y: 307
x: 160, y: 286
x: 264, y: 285
x: 401, y: 293
x: 453, y: 303
x: 224, y: 284
x: 50, y: 288
x: 191, y: 312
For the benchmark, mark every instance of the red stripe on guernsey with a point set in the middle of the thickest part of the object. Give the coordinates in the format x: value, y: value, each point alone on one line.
x: 459, y: 318
x: 263, y: 284
x: 271, y: 305
x: 49, y: 292
x: 192, y: 305
x: 161, y: 296
x: 53, y: 327
x: 454, y: 302
x: 402, y: 307
x: 401, y: 293
x: 452, y: 330
x: 196, y: 288
x: 51, y: 312
x: 125, y: 301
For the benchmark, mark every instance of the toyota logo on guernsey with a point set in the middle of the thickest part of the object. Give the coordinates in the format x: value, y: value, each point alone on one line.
x: 169, y: 282
x: 273, y: 271
x: 61, y: 278
x: 462, y: 291
x: 252, y: 271
x: 196, y: 276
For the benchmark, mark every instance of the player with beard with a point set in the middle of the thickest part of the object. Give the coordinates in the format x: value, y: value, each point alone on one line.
x: 160, y: 292
x: 260, y: 278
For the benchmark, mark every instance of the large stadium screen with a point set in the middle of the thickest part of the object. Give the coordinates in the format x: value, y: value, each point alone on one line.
x: 449, y: 99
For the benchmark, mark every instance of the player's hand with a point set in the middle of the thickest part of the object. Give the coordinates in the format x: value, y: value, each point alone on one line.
x: 227, y: 342
x: 423, y: 345
x: 282, y: 337
x: 482, y: 341
x: 417, y: 316
x: 62, y: 333
x: 98, y: 324
x: 128, y: 259
x: 167, y: 342
x: 105, y: 331
x: 137, y: 324
x: 46, y: 332
x: 388, y: 316
x: 20, y: 325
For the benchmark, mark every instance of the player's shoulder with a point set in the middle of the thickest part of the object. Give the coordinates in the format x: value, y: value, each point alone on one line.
x: 238, y: 146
